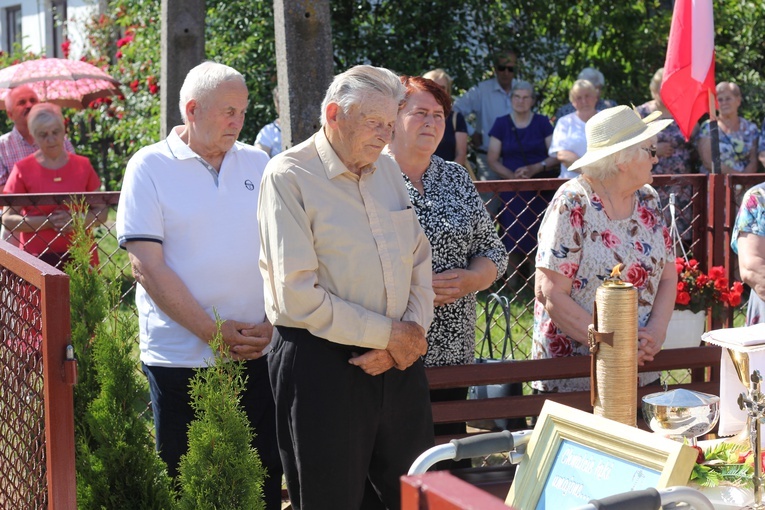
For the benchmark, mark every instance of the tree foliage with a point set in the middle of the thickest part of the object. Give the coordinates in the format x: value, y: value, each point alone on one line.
x: 221, y: 469
x: 555, y: 39
x: 117, y: 466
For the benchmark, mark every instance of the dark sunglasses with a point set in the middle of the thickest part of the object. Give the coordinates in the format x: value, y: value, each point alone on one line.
x: 651, y: 150
x: 504, y: 68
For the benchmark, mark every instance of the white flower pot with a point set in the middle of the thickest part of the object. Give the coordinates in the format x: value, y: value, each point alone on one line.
x: 685, y: 329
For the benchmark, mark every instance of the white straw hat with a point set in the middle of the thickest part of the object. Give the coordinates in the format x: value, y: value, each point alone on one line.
x: 617, y: 128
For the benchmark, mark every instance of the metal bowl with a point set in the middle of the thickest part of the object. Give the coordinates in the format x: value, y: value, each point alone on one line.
x: 681, y: 413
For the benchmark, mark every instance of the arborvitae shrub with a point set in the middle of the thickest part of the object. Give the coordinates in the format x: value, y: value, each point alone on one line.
x: 117, y: 465
x: 221, y: 470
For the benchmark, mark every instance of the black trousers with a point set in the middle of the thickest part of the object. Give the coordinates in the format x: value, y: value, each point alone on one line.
x: 171, y: 406
x: 450, y: 429
x: 341, y: 430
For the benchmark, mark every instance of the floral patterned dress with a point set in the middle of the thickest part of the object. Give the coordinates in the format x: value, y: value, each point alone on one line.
x: 751, y: 218
x: 577, y: 239
x: 459, y: 229
x: 735, y: 147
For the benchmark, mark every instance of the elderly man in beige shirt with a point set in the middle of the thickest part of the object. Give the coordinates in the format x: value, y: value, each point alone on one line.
x: 347, y: 272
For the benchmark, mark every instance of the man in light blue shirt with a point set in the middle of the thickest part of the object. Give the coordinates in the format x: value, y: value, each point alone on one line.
x: 487, y: 101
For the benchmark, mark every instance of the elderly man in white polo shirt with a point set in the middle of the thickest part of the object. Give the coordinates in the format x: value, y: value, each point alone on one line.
x: 188, y: 218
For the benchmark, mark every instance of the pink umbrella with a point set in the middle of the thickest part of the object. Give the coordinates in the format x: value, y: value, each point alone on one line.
x: 67, y: 83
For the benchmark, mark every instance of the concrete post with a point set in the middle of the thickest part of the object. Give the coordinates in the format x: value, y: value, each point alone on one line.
x: 183, y: 47
x: 303, y: 64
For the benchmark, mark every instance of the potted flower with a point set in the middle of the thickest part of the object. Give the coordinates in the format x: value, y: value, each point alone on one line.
x: 698, y: 292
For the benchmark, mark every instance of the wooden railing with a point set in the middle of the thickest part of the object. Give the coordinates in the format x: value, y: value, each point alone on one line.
x: 712, y: 211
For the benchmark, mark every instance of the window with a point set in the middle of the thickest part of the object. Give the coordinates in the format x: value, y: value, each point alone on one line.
x: 12, y: 27
x: 56, y: 27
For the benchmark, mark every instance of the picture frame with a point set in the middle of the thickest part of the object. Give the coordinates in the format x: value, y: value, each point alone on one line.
x: 573, y: 457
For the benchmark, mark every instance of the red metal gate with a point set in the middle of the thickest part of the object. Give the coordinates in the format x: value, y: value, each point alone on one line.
x: 36, y: 401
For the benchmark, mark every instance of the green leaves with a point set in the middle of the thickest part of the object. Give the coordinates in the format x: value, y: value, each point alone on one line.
x: 221, y: 469
x: 721, y: 466
x: 556, y: 40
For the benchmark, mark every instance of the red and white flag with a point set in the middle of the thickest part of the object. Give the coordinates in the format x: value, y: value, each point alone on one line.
x: 689, y: 69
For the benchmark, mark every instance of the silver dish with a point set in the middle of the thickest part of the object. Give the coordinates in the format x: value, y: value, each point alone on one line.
x: 681, y: 414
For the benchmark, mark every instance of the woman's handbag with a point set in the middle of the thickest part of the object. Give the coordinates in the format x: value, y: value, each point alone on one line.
x: 491, y: 352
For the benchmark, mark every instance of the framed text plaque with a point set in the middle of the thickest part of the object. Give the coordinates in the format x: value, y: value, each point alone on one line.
x: 574, y: 457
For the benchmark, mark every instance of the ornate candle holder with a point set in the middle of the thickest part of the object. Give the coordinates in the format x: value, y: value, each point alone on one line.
x: 753, y: 402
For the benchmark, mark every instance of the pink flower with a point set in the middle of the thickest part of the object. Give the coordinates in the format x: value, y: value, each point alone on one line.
x: 642, y: 247
x: 667, y: 238
x: 549, y: 329
x: 560, y: 346
x: 569, y: 269
x: 610, y: 239
x: 577, y: 217
x: 637, y: 275
x: 647, y: 217
x: 125, y: 41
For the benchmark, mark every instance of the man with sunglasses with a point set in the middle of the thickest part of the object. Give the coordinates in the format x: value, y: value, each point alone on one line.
x: 487, y: 101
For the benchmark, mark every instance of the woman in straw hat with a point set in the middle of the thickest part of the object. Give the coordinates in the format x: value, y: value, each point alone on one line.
x: 606, y: 216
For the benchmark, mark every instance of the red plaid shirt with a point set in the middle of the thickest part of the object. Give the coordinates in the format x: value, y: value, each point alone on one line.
x: 13, y: 147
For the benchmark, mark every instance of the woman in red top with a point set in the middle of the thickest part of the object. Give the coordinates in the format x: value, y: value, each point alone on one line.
x: 45, y: 230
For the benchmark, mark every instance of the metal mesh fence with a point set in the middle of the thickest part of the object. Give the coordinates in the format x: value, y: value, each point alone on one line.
x: 518, y: 207
x: 518, y: 217
x: 22, y: 420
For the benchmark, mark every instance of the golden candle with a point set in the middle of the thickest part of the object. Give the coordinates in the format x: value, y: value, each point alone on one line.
x: 616, y: 365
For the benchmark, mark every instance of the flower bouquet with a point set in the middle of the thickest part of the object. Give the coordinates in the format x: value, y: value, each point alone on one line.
x: 724, y: 464
x: 698, y: 291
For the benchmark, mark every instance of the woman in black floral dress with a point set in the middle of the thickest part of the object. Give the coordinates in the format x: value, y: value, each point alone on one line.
x: 467, y: 253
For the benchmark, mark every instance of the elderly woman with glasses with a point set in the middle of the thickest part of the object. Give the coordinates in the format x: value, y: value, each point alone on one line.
x: 738, y: 136
x: 518, y: 145
x: 608, y: 215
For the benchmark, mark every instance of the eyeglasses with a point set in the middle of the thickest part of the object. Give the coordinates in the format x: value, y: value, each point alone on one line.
x: 500, y: 68
x: 521, y: 98
x: 650, y: 150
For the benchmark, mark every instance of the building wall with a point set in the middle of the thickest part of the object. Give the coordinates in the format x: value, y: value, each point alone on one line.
x: 37, y: 26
